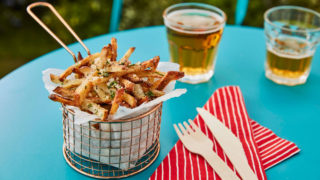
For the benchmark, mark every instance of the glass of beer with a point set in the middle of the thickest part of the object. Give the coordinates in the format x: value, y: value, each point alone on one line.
x: 292, y: 34
x: 194, y: 31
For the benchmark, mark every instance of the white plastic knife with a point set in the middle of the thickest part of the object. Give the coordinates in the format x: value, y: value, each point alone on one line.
x: 230, y: 144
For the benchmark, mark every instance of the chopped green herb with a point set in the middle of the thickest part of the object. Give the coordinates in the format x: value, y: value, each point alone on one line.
x: 89, y: 105
x: 150, y: 94
x: 112, y: 94
x: 131, y: 65
x: 112, y: 84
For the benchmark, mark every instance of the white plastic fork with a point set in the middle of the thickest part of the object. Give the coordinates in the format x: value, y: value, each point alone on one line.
x: 197, y: 142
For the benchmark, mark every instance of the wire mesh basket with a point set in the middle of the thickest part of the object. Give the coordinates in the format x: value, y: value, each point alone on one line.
x: 113, y: 149
x: 100, y: 149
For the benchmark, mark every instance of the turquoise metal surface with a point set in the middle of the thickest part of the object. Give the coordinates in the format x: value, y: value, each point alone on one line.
x: 31, y: 125
x: 241, y: 11
x: 115, y: 15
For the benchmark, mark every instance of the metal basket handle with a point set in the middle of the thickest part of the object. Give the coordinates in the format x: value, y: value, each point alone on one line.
x: 50, y: 32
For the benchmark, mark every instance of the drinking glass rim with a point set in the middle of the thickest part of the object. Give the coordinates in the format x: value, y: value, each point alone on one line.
x: 203, y: 5
x: 291, y: 7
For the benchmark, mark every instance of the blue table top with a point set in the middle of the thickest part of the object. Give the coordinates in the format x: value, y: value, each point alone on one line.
x: 31, y: 126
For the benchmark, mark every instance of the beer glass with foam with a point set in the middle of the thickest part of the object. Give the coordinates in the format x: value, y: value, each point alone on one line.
x: 292, y: 34
x: 194, y: 31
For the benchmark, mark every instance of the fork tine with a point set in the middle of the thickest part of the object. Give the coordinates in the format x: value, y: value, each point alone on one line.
x: 194, y: 126
x: 188, y: 127
x: 177, y: 131
x: 184, y: 131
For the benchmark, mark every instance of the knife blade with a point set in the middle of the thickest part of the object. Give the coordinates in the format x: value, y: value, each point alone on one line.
x: 230, y: 144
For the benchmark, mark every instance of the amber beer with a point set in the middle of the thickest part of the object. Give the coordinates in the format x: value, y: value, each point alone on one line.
x: 193, y: 39
x: 288, y: 58
x: 292, y: 33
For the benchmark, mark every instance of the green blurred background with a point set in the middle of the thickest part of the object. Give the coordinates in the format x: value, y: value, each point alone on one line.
x: 22, y: 39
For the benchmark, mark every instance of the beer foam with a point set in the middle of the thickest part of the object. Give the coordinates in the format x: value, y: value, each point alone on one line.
x: 194, y: 18
x: 290, y: 56
x: 293, y: 47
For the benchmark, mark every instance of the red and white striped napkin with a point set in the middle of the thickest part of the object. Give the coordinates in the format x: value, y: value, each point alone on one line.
x: 263, y: 148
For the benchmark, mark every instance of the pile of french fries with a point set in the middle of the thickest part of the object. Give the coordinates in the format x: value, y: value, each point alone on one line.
x: 101, y: 83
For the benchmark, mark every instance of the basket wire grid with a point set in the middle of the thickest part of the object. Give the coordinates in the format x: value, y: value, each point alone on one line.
x: 124, y: 154
x: 112, y: 149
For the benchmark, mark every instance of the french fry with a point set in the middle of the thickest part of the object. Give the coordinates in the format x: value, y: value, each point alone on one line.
x: 157, y: 93
x: 101, y: 80
x: 133, y: 77
x: 55, y: 79
x: 71, y: 83
x: 103, y: 60
x: 102, y: 92
x: 138, y: 92
x: 78, y: 73
x: 146, y: 84
x: 143, y: 100
x: 152, y: 93
x: 85, y: 70
x: 156, y: 83
x: 130, y: 100
x: 125, y: 58
x: 139, y: 67
x: 101, y: 84
x: 116, y: 101
x: 152, y: 64
x: 170, y: 76
x: 68, y: 83
x: 82, y: 90
x: 99, y: 89
x: 149, y: 74
x: 123, y: 103
x: 95, y: 108
x: 98, y: 100
x: 64, y: 91
x: 83, y: 62
x: 63, y: 100
x: 114, y: 49
x: 132, y: 69
x: 128, y: 85
x: 116, y: 68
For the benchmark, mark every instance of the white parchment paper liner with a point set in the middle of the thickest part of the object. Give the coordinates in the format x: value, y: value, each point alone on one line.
x: 82, y: 119
x: 104, y: 145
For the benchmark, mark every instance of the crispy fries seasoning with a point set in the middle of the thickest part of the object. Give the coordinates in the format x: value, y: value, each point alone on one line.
x: 102, y: 83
